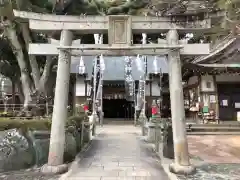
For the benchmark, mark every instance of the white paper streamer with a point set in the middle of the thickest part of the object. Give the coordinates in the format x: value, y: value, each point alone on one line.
x: 144, y: 38
x: 81, y: 68
x: 139, y: 63
x: 129, y: 82
x: 102, y: 63
x: 155, y: 65
x: 96, y: 38
x: 100, y: 39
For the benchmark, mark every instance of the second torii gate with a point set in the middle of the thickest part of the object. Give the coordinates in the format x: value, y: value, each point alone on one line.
x: 120, y: 29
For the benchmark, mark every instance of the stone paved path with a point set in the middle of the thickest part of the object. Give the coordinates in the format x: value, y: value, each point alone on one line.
x: 118, y: 153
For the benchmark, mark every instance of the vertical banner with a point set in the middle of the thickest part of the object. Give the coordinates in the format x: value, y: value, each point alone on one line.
x: 129, y: 82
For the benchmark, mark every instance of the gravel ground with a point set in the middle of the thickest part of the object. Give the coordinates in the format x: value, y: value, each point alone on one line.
x: 215, y: 172
x: 30, y: 174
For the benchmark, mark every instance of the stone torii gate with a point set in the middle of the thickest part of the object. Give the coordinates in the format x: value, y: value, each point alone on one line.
x: 120, y: 29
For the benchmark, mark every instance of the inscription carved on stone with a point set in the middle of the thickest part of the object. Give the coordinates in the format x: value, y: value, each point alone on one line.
x: 119, y: 31
x: 119, y: 35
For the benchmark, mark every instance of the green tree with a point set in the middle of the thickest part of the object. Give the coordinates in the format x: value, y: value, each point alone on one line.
x: 232, y: 14
x: 34, y: 73
x: 8, y: 65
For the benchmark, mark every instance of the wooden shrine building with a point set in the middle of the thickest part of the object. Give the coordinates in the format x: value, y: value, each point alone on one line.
x: 214, y: 80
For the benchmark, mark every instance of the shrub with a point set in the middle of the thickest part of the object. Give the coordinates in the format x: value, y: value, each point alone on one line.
x: 76, y: 120
x: 35, y: 124
x: 38, y: 124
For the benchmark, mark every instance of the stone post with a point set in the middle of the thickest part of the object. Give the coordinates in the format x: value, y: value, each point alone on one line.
x: 181, y: 156
x: 57, y: 141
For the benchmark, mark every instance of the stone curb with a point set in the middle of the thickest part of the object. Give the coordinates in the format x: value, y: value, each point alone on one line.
x: 165, y: 162
x: 78, y: 158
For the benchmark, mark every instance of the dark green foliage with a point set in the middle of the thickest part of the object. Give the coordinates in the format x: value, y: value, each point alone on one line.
x: 232, y: 7
x: 8, y: 63
x: 37, y: 124
x: 127, y: 7
x: 88, y: 7
x: 76, y: 121
x: 41, y: 124
x: 9, y: 66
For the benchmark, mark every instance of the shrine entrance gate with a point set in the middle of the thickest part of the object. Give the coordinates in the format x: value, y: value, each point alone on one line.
x: 120, y: 29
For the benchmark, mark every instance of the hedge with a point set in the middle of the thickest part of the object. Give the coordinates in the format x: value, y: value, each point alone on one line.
x: 38, y: 124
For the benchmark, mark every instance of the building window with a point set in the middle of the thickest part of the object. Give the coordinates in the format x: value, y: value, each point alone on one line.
x: 208, y: 84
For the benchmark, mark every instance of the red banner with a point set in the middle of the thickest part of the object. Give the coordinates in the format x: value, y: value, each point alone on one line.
x: 154, y: 110
x: 85, y: 108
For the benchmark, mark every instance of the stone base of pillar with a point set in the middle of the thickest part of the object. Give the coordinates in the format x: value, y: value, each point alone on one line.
x: 60, y: 169
x: 182, y: 170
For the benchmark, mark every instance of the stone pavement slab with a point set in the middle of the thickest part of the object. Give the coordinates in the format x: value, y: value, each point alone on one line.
x: 217, y: 157
x: 215, y: 149
x: 117, y: 153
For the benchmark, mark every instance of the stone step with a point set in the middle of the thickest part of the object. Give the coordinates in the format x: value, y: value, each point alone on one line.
x: 109, y: 178
x: 112, y: 172
x: 214, y: 133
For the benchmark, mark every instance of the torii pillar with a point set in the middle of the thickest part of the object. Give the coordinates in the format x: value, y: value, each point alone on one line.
x: 57, y: 141
x: 181, y: 164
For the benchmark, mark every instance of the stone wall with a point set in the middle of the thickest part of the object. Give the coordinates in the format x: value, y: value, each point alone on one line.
x: 20, y: 150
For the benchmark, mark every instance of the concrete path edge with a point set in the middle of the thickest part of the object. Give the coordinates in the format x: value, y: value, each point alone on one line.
x: 78, y: 158
x: 165, y: 162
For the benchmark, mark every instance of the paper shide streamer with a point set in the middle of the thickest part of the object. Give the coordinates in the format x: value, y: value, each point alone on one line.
x: 81, y: 68
x: 129, y: 81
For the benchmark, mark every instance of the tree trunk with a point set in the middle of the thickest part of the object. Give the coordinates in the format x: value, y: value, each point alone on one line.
x: 32, y: 59
x: 40, y: 82
x: 45, y: 86
x: 20, y: 91
x: 10, y: 32
x: 45, y: 75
